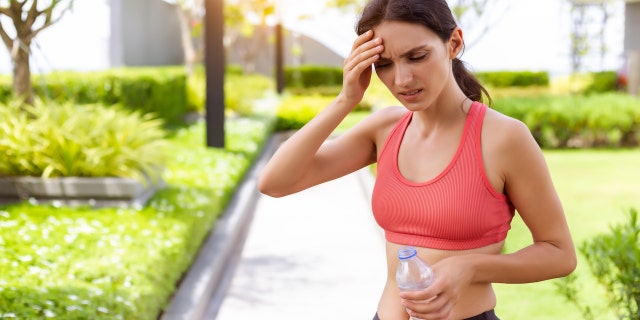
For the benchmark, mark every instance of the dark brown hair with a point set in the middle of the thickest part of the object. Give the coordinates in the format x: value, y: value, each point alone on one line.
x: 436, y: 16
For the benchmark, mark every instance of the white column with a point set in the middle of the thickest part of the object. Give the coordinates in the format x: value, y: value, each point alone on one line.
x: 633, y: 71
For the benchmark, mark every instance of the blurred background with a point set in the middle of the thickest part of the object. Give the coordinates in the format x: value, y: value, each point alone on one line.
x: 556, y: 36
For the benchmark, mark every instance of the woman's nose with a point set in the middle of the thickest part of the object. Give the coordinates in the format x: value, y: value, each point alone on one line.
x: 403, y: 75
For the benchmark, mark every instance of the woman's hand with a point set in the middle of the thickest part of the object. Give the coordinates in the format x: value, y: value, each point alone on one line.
x: 437, y: 302
x: 358, y: 67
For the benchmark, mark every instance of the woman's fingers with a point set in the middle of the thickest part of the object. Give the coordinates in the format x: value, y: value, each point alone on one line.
x: 362, y: 39
x: 436, y: 308
x: 366, y: 55
x: 357, y: 66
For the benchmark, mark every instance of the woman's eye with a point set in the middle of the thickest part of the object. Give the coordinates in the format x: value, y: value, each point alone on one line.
x: 418, y: 58
x: 382, y: 65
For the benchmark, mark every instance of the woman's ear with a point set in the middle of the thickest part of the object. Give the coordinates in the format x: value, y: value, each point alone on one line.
x: 456, y: 43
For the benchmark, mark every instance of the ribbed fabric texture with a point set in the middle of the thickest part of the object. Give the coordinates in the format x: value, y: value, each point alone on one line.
x: 457, y: 210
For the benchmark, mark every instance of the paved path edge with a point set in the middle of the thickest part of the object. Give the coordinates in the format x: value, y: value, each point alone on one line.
x: 203, y: 288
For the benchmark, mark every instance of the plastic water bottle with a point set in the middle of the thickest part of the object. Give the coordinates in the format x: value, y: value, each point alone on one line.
x: 413, y: 273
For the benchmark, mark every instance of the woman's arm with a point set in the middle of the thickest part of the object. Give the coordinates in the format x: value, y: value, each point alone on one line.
x: 307, y: 159
x: 529, y: 186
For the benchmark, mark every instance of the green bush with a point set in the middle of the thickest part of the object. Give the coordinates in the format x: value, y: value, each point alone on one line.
x: 503, y: 79
x: 604, y: 81
x: 307, y: 76
x: 58, y: 262
x: 598, y: 120
x: 295, y: 111
x: 52, y: 140
x: 161, y: 91
x: 614, y: 260
x: 240, y: 91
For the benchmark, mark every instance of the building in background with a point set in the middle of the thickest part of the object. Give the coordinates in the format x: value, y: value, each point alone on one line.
x: 143, y: 33
x: 632, y: 46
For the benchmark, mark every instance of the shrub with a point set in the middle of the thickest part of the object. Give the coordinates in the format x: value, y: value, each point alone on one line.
x: 53, y: 140
x: 513, y: 78
x: 240, y: 91
x: 614, y: 260
x: 161, y: 91
x: 307, y: 76
x: 602, y: 120
x: 295, y: 111
x: 123, y: 263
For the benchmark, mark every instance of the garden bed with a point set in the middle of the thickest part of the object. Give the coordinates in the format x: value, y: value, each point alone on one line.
x: 96, y: 192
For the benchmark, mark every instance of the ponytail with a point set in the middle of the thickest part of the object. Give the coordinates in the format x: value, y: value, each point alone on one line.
x: 469, y: 83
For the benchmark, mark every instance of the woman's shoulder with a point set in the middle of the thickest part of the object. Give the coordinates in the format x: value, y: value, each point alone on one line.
x: 388, y: 115
x: 504, y: 124
x: 505, y: 132
x: 379, y: 123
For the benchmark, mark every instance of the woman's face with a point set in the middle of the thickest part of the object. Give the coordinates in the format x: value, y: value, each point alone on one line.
x: 415, y: 64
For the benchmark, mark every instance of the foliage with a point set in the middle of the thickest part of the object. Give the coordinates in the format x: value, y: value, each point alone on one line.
x: 312, y: 76
x: 295, y: 111
x: 513, y: 78
x: 161, y: 91
x: 588, y: 83
x: 240, y: 91
x: 59, y: 262
x: 598, y: 120
x: 52, y: 140
x: 614, y: 260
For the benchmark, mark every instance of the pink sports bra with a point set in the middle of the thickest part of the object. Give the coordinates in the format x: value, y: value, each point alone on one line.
x: 457, y: 210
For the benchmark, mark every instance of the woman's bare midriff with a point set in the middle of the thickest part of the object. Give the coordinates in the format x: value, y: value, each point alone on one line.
x: 477, y: 298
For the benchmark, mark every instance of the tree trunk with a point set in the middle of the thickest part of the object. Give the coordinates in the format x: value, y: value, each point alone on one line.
x: 22, y: 75
x: 187, y: 43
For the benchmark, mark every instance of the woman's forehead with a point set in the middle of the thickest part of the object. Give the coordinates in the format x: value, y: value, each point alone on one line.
x: 400, y: 37
x: 399, y: 31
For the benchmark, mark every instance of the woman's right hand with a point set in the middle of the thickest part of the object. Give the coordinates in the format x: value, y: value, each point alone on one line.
x: 358, y: 67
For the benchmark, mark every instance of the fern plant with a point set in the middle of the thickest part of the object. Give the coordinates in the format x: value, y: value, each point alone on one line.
x: 66, y: 140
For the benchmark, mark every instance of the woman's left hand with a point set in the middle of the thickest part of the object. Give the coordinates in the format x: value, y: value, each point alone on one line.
x: 437, y: 302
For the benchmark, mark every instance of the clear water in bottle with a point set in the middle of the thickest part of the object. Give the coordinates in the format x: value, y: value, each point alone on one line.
x: 413, y: 273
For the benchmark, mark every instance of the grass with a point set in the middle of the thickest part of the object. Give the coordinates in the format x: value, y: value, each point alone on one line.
x: 597, y: 187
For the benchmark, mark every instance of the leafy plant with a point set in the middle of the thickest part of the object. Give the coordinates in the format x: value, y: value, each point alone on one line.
x: 614, y: 260
x: 62, y: 140
x: 58, y: 262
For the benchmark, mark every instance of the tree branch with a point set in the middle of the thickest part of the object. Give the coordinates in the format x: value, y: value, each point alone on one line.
x: 8, y: 42
x: 48, y: 20
x: 32, y: 15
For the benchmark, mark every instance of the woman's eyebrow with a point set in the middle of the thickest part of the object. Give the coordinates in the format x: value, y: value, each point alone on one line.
x: 408, y: 52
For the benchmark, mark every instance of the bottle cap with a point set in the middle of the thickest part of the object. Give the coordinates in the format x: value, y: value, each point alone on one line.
x: 406, y: 252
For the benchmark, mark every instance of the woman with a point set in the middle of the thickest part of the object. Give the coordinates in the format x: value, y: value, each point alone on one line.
x: 451, y: 172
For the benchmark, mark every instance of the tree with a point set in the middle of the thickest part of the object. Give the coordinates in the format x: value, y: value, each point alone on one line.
x: 247, y: 19
x: 589, y: 22
x: 29, y: 18
x: 242, y: 18
x: 190, y: 14
x: 477, y: 16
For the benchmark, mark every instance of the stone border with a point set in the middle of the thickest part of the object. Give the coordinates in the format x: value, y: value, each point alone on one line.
x: 96, y: 192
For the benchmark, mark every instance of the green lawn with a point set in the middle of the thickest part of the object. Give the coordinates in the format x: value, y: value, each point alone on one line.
x: 597, y: 187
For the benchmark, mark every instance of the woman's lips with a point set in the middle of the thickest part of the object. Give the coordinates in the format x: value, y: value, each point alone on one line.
x: 410, y: 95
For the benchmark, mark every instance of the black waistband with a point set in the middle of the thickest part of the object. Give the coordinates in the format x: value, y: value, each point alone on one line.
x: 487, y: 315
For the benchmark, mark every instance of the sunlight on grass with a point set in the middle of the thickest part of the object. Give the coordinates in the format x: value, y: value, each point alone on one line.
x: 596, y: 187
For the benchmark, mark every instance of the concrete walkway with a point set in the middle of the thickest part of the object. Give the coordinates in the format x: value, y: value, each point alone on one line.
x: 317, y: 254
